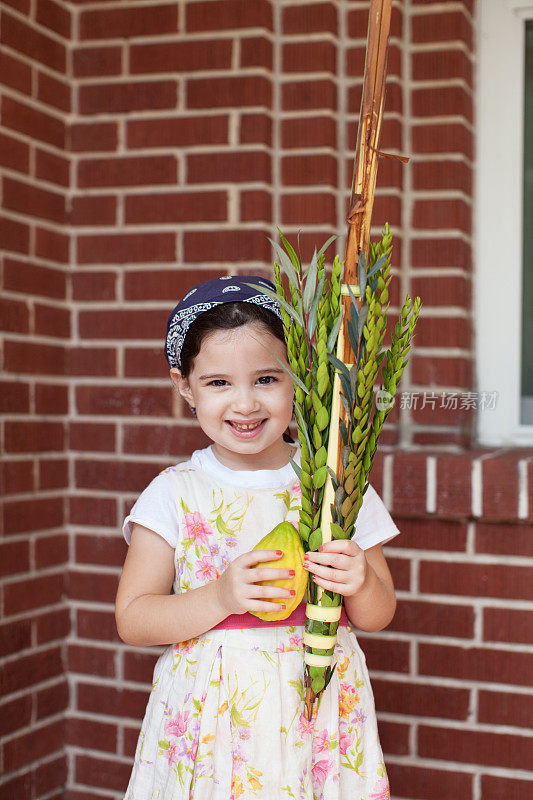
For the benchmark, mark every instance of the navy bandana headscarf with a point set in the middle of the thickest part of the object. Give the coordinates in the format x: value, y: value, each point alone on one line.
x: 208, y: 295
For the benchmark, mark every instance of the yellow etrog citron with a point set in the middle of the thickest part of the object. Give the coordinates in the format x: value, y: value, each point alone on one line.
x: 284, y: 537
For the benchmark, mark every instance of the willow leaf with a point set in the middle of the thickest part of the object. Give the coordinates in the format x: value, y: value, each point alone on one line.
x: 310, y: 283
x: 290, y: 250
x: 334, y: 332
x: 288, y: 308
x: 325, y: 246
x: 295, y: 377
x: 314, y: 306
x: 343, y: 369
x: 285, y: 263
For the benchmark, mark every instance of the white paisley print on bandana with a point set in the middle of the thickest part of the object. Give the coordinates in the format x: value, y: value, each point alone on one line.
x: 225, y: 718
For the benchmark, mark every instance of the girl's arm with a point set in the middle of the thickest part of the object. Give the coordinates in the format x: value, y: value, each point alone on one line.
x: 373, y: 606
x: 146, y: 612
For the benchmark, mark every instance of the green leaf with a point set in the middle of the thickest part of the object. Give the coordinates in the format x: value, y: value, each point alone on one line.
x: 343, y: 430
x: 310, y: 283
x: 334, y: 332
x: 285, y: 263
x: 340, y: 365
x: 333, y: 477
x: 314, y: 307
x: 296, y: 468
x: 319, y: 478
x: 303, y: 428
x: 288, y: 308
x: 295, y: 377
x: 290, y: 250
x: 379, y: 263
x: 326, y: 245
x: 315, y: 540
x: 352, y: 336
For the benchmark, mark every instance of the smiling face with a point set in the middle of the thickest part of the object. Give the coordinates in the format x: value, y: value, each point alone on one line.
x: 236, y: 384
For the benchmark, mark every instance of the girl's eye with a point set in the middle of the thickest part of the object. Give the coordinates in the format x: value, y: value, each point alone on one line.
x: 216, y: 382
x: 267, y: 378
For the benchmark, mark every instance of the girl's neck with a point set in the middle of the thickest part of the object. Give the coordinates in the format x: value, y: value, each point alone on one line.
x: 267, y: 459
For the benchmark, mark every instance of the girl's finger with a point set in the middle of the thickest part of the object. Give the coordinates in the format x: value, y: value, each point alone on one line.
x: 340, y: 588
x: 347, y: 546
x: 329, y: 573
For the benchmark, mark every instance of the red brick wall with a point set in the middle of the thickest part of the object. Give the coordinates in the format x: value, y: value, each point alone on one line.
x: 34, y: 396
x: 195, y: 129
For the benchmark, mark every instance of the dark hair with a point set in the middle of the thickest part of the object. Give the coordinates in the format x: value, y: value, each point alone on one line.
x: 227, y: 316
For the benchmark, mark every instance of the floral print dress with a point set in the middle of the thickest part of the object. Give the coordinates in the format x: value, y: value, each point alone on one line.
x: 225, y: 718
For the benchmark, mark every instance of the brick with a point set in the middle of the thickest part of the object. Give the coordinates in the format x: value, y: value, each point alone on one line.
x: 15, y: 236
x: 89, y: 511
x: 52, y: 168
x: 247, y: 90
x: 129, y: 400
x: 139, y: 666
x: 394, y: 738
x: 309, y: 170
x: 505, y: 708
x: 224, y: 167
x: 505, y: 539
x: 54, y: 16
x: 454, y: 485
x: 500, y: 486
x: 437, y: 214
x: 444, y: 332
x: 21, y: 786
x: 445, y: 174
x: 53, y: 92
x: 308, y: 209
x: 123, y: 23
x: 475, y: 664
x: 51, y: 321
x: 127, y: 171
x: 51, y: 399
x: 15, y: 714
x: 52, y: 700
x: 94, y: 210
x: 15, y: 316
x: 33, y: 515
x: 51, y: 245
x: 494, y: 788
x: 14, y: 557
x: 442, y: 101
x: 130, y: 248
x: 432, y: 371
x: 474, y: 747
x: 33, y: 746
x: 31, y: 670
x: 257, y: 51
x: 231, y: 246
x: 15, y: 637
x: 29, y: 437
x: 20, y: 5
x: 218, y: 15
x: 145, y: 362
x: 35, y: 44
x: 310, y: 18
x: 101, y: 550
x: 30, y: 358
x: 314, y: 56
x: 14, y: 397
x: 91, y: 660
x: 94, y: 734
x: 433, y: 619
x: 90, y: 585
x: 181, y: 56
x: 111, y: 774
x: 131, y: 737
x: 446, y: 27
x: 89, y: 62
x: 32, y: 593
x: 15, y: 73
x: 387, y: 655
x: 434, y: 65
x: 92, y: 361
x: 74, y: 794
x: 319, y: 131
x: 114, y: 476
x: 126, y: 97
x: 507, y: 625
x: 53, y: 473
x: 14, y: 154
x: 98, y: 625
x: 439, y: 534
x: 164, y: 284
x: 133, y: 324
x: 52, y: 625
x: 50, y: 551
x: 476, y: 580
x: 409, y: 483
x: 420, y: 700
x: 51, y: 775
x: 423, y: 783
x: 165, y: 440
x: 441, y: 138
x: 255, y: 206
x: 176, y: 207
x: 443, y: 290
x: 256, y: 129
x: 93, y: 136
x: 308, y: 95
x: 17, y: 476
x: 94, y: 286
x: 110, y: 700
x: 177, y: 132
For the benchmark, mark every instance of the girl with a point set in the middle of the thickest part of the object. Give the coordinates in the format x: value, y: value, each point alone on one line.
x: 225, y: 717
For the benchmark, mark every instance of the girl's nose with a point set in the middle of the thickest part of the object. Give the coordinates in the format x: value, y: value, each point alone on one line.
x: 244, y: 401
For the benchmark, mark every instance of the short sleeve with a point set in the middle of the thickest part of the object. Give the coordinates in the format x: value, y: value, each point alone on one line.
x: 374, y: 524
x: 155, y: 509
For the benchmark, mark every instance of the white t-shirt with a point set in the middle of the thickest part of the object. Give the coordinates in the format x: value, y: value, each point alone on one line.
x: 156, y: 510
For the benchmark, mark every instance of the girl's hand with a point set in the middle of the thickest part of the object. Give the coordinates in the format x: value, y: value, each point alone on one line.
x: 339, y: 566
x: 237, y: 590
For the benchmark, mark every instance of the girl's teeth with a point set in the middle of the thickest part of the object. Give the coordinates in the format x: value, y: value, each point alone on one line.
x: 245, y: 427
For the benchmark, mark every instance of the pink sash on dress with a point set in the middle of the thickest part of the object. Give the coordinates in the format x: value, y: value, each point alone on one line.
x: 248, y: 620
